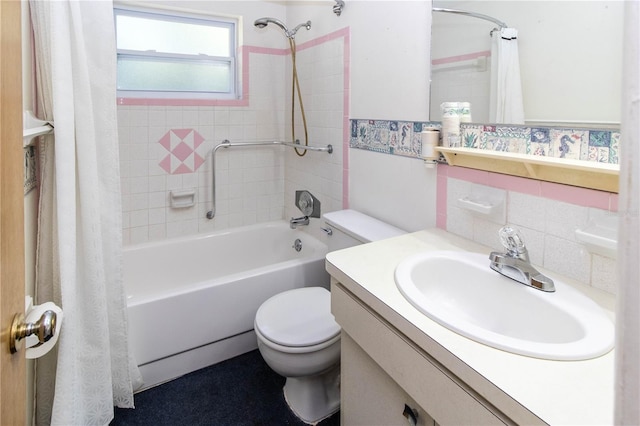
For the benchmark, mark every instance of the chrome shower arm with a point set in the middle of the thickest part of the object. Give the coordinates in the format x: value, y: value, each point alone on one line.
x: 293, y: 32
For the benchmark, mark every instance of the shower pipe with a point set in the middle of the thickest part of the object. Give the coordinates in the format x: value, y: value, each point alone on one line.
x: 295, y: 83
x: 472, y: 14
x: 227, y: 144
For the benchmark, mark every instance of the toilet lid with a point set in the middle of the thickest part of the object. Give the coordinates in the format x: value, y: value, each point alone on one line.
x: 299, y: 317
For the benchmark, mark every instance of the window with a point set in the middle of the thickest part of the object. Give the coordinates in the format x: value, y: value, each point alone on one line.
x: 173, y: 55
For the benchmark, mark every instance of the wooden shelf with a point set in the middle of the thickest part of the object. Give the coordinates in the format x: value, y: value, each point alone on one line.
x: 586, y: 174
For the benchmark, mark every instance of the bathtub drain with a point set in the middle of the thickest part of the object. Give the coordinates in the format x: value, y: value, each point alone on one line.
x: 297, y: 244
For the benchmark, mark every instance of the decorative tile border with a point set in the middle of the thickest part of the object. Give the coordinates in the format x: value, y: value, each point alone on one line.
x: 403, y: 138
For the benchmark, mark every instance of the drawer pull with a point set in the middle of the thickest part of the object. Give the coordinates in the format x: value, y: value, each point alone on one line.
x: 411, y: 415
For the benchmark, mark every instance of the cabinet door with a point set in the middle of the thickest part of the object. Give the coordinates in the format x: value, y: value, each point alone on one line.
x: 378, y: 400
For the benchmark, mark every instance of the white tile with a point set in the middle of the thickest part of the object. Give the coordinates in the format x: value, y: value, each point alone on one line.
x: 157, y: 216
x: 139, y: 218
x: 158, y: 199
x: 526, y: 210
x: 604, y: 273
x: 190, y: 117
x: 157, y: 117
x: 139, y: 185
x: 157, y: 183
x: 139, y: 235
x: 139, y: 168
x: 173, y: 118
x: 562, y: 219
x: 567, y: 258
x: 139, y: 135
x: 139, y: 201
x: 157, y: 232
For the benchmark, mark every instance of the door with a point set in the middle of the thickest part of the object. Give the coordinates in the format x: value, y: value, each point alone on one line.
x: 12, y: 367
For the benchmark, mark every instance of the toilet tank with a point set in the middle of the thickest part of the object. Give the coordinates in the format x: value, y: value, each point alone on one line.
x: 350, y: 228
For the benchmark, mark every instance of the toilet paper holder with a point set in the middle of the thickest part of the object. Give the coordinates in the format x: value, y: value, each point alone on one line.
x: 44, y: 329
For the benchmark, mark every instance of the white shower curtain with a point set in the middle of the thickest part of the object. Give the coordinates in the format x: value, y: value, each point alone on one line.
x: 627, y: 405
x: 505, y: 98
x: 79, y: 242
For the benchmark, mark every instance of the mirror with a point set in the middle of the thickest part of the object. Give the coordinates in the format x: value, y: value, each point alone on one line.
x: 570, y: 59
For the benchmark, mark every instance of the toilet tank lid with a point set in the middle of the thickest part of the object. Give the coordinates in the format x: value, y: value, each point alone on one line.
x: 360, y: 226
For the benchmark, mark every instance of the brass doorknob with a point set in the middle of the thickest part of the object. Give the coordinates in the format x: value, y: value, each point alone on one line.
x: 44, y: 328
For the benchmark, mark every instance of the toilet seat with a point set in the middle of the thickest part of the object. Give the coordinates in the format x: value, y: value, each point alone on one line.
x: 298, y: 320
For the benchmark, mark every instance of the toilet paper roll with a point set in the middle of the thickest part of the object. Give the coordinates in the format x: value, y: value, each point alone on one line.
x: 429, y: 139
x: 35, y: 349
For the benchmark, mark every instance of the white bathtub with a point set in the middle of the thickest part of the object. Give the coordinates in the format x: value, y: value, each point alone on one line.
x: 192, y: 301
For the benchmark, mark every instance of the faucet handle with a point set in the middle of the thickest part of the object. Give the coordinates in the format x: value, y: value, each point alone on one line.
x: 513, y: 241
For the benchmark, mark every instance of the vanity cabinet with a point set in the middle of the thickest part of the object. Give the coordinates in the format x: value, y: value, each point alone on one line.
x: 383, y: 370
x: 370, y: 396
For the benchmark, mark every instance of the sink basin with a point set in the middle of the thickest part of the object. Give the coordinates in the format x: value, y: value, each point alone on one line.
x: 460, y: 291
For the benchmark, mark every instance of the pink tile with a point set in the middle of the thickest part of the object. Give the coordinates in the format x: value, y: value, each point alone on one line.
x: 165, y: 141
x: 181, y: 133
x: 182, y: 151
x: 613, y: 202
x: 515, y: 183
x: 182, y: 168
x: 575, y: 195
x: 470, y: 175
x: 442, y: 169
x: 165, y: 163
x: 461, y: 58
x: 197, y: 161
x: 441, y: 195
x: 197, y: 139
x: 441, y: 221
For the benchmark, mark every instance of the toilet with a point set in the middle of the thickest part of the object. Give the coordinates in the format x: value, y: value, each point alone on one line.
x: 297, y: 334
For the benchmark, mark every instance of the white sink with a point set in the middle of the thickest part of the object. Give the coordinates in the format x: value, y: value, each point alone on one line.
x: 460, y: 291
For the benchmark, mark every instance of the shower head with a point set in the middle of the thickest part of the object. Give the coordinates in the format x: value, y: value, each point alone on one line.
x: 263, y: 22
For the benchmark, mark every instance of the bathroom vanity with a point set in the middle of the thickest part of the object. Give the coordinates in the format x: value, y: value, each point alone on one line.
x: 400, y: 367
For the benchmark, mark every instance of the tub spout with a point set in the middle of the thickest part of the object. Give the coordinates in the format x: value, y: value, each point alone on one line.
x: 298, y: 221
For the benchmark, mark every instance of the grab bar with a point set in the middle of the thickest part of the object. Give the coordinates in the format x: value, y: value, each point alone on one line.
x: 227, y: 144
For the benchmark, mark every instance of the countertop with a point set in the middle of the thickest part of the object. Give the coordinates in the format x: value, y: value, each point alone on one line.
x: 526, y: 389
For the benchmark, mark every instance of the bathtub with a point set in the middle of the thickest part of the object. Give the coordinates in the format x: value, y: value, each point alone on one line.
x: 191, y: 301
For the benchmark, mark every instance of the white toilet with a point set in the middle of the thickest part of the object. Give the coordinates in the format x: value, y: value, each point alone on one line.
x: 297, y: 334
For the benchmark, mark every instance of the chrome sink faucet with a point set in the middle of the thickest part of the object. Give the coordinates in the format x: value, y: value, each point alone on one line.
x: 515, y: 263
x: 298, y: 221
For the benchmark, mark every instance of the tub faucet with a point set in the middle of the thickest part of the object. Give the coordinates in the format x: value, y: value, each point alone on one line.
x: 515, y: 263
x: 298, y: 221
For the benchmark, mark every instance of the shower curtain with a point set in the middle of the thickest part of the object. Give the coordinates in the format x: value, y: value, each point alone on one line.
x: 79, y: 259
x: 505, y: 99
x: 627, y: 411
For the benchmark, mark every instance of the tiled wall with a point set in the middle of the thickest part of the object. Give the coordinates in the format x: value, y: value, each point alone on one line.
x: 167, y: 148
x: 323, y: 68
x: 548, y: 214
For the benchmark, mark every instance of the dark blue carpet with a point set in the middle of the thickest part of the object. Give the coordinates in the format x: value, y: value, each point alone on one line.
x: 241, y: 391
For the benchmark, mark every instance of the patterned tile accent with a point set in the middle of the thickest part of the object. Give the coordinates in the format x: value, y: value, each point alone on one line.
x: 403, y: 138
x: 183, y: 155
x: 388, y: 137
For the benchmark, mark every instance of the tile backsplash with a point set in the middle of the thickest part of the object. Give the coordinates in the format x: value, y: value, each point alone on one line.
x: 403, y: 138
x: 547, y: 213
